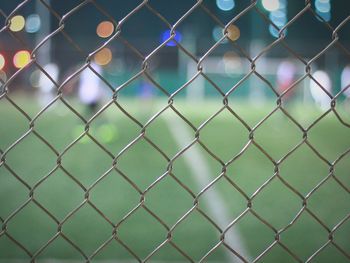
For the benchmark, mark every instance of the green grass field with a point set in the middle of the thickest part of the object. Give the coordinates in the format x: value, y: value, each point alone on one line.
x: 114, y: 196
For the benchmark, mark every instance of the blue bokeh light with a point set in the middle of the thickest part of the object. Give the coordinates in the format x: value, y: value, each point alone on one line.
x: 166, y: 35
x: 225, y: 5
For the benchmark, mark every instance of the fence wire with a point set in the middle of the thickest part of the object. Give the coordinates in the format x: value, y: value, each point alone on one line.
x: 144, y: 71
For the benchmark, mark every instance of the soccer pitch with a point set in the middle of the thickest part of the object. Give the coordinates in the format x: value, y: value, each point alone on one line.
x: 86, y: 163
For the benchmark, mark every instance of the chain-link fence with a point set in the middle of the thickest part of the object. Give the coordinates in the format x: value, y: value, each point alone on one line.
x: 150, y: 174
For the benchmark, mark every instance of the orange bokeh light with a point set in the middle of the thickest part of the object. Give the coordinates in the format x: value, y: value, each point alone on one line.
x: 103, y: 57
x: 105, y: 29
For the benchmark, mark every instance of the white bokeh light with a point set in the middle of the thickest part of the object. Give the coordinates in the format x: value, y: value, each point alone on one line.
x: 271, y: 5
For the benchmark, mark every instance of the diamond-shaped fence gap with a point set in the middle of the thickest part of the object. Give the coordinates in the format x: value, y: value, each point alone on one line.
x: 53, y: 122
x: 13, y: 193
x: 41, y: 229
x: 141, y: 232
x: 330, y: 253
x: 303, y: 170
x: 150, y: 163
x: 15, y: 124
x: 172, y: 195
x: 151, y: 39
x: 286, y: 206
x: 329, y: 125
x: 242, y: 171
x: 86, y: 161
x: 282, y: 133
x: 121, y: 198
x: 52, y: 193
x: 200, y: 233
x: 320, y: 199
x: 257, y: 235
x: 226, y: 129
x: 67, y: 250
x: 341, y: 171
x: 314, y: 236
x: 87, y: 228
x: 9, y: 249
x: 31, y: 159
x: 113, y: 128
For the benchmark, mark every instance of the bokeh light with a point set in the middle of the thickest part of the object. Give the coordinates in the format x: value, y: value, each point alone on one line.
x: 323, y: 9
x: 271, y: 5
x: 233, y: 32
x: 225, y: 5
x: 2, y: 61
x: 166, y: 35
x: 21, y: 58
x: 17, y: 23
x: 103, y: 57
x: 33, y: 23
x: 105, y: 29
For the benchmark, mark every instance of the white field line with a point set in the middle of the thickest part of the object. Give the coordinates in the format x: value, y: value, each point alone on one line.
x: 200, y: 171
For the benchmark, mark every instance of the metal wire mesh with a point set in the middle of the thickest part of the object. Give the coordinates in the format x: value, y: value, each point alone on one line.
x: 144, y: 71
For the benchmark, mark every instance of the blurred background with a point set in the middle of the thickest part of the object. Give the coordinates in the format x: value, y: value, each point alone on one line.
x: 98, y: 98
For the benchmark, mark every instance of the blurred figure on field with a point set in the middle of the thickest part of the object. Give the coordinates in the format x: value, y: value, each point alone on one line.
x: 46, y: 85
x: 90, y: 87
x: 345, y: 85
x: 285, y: 78
x: 321, y: 98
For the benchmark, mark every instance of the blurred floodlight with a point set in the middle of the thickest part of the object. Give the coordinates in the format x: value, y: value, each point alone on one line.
x: 33, y: 23
x: 323, y: 9
x: 103, y: 57
x: 233, y: 32
x: 278, y: 17
x: 323, y: 6
x: 325, y: 16
x: 2, y: 62
x: 17, y: 23
x: 217, y: 34
x: 166, y: 35
x: 271, y: 5
x: 225, y: 5
x: 105, y: 29
x: 21, y: 58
